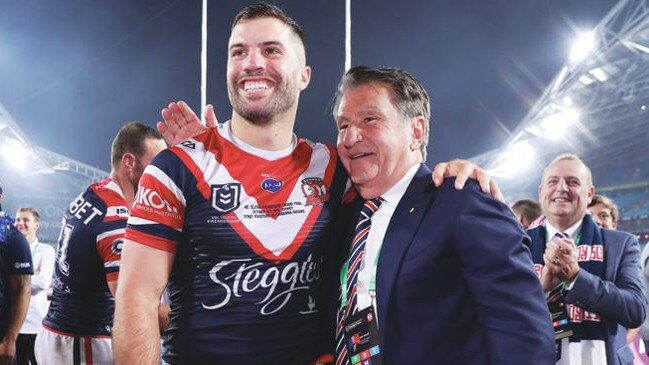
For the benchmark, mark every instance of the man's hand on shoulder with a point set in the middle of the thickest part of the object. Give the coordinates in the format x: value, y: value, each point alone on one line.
x: 181, y: 123
x: 463, y: 170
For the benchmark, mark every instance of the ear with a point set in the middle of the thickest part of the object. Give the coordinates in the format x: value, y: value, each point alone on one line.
x: 305, y: 77
x: 129, y: 161
x: 418, y: 132
x: 591, y: 193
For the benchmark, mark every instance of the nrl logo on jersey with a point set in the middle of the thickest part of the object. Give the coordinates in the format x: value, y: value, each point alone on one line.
x: 314, y: 191
x: 225, y: 197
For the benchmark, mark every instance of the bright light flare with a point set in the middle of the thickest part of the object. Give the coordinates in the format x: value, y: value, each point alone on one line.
x: 582, y: 47
x: 15, y: 153
x: 555, y: 126
x: 515, y: 159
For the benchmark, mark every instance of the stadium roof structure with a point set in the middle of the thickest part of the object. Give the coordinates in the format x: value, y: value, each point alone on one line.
x: 596, y: 107
x: 30, y: 159
x: 34, y: 176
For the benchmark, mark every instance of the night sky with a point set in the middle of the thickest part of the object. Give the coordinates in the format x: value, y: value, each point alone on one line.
x: 73, y: 71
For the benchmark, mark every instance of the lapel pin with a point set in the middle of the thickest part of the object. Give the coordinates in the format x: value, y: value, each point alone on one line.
x: 411, y: 210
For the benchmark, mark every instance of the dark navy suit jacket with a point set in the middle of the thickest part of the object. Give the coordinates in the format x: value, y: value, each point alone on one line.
x: 618, y: 297
x: 455, y: 282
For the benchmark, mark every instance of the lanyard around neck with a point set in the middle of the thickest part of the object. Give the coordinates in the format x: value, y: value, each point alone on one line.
x: 343, y: 278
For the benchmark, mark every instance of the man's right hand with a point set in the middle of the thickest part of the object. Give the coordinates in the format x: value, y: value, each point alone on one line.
x: 181, y: 123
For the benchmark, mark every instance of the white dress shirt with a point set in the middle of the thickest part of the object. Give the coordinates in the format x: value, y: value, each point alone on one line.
x: 43, y: 259
x: 380, y: 221
x: 586, y: 352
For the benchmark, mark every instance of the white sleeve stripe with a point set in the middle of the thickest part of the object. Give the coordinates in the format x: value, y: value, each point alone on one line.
x: 135, y: 221
x: 112, y: 185
x: 165, y: 180
x: 111, y: 264
x: 114, y: 232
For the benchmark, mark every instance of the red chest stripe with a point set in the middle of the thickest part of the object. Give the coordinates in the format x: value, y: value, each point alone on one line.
x: 289, y: 170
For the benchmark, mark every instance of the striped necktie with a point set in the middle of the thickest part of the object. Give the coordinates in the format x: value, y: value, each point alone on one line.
x: 354, y: 262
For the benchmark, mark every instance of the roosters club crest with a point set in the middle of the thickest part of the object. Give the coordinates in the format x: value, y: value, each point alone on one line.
x: 225, y: 197
x: 314, y: 191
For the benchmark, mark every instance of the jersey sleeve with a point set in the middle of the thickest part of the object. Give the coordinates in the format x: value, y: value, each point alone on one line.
x: 157, y: 214
x: 110, y: 233
x: 19, y: 257
x: 109, y: 246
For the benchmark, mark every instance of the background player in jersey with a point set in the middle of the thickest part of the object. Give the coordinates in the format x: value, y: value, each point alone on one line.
x: 15, y: 277
x: 224, y: 218
x: 77, y: 327
x: 28, y: 222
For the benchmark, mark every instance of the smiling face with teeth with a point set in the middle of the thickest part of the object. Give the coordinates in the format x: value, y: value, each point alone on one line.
x: 565, y: 192
x: 377, y: 144
x: 266, y: 70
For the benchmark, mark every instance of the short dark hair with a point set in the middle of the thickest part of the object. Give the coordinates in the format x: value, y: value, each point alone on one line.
x: 530, y: 209
x: 265, y: 10
x: 408, y: 94
x: 608, y: 203
x: 131, y: 139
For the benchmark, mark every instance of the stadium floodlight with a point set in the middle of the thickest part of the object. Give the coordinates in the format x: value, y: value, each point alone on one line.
x: 15, y: 152
x: 555, y: 125
x: 582, y: 47
x: 514, y: 159
x: 567, y: 101
x: 599, y: 74
x: 586, y: 80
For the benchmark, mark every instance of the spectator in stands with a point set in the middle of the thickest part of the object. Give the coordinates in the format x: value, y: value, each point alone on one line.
x: 28, y: 221
x: 604, y: 211
x: 595, y: 272
x: 526, y: 211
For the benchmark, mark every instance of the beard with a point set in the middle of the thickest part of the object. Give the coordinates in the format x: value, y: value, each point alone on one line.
x: 282, y: 99
x: 134, y: 178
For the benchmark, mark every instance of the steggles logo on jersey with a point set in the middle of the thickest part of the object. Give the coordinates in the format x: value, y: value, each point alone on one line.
x: 281, y: 283
x: 314, y: 191
x: 225, y: 197
x: 271, y: 185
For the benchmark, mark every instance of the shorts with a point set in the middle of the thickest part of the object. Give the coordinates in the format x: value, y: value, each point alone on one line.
x: 56, y: 348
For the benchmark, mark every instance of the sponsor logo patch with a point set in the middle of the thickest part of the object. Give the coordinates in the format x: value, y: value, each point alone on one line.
x: 116, y: 246
x: 149, y: 199
x: 271, y: 185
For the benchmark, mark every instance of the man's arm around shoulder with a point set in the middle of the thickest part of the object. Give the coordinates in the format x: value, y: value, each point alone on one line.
x: 500, y: 274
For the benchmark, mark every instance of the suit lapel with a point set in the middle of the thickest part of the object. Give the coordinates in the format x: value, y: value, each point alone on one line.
x: 402, y: 229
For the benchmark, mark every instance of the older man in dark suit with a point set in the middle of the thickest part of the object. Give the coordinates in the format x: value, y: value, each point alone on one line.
x: 595, y: 270
x: 447, y: 273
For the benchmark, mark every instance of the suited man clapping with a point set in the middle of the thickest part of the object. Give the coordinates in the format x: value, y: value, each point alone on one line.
x: 427, y: 275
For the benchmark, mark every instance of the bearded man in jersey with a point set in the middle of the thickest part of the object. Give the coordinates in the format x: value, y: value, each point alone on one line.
x: 235, y: 220
x: 77, y: 327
